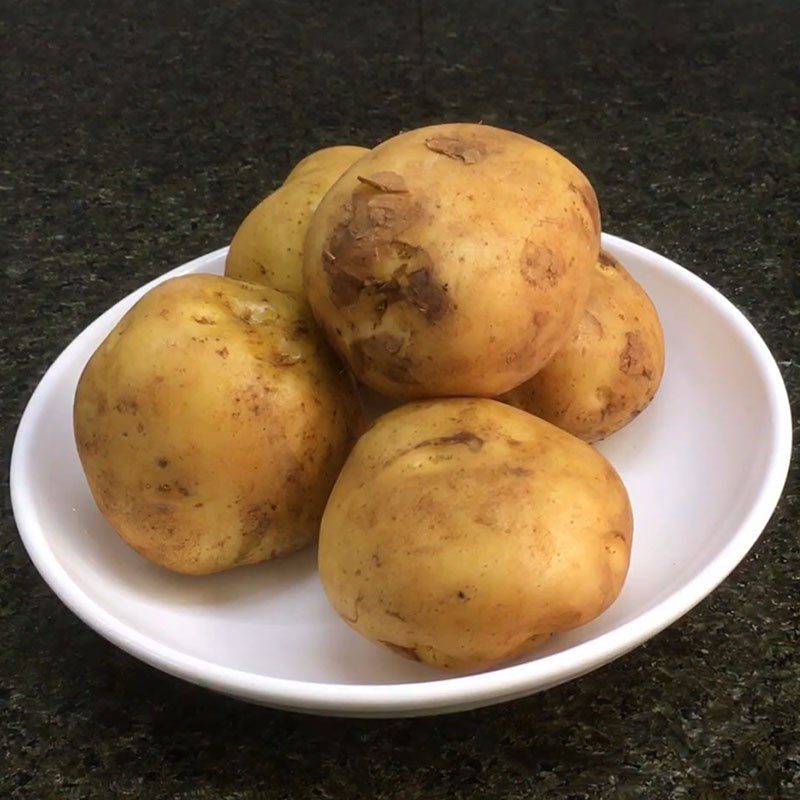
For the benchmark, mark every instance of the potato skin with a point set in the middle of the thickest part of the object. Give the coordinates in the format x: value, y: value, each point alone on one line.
x: 610, y: 369
x: 453, y: 259
x: 332, y: 161
x: 211, y: 424
x: 267, y: 248
x: 464, y: 532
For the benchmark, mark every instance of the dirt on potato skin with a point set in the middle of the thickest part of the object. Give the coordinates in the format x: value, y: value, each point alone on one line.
x: 379, y: 210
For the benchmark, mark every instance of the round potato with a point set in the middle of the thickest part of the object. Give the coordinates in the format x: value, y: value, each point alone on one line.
x: 610, y: 369
x: 268, y: 246
x: 212, y: 423
x: 465, y: 532
x: 452, y: 260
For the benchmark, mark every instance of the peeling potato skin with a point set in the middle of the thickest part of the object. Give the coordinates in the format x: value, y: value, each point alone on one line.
x: 211, y: 424
x: 464, y: 532
x: 471, y: 244
x: 267, y: 248
x: 610, y: 369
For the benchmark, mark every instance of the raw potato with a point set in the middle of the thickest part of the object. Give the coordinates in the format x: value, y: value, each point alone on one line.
x: 451, y: 260
x: 464, y: 532
x: 212, y: 423
x: 268, y: 246
x: 610, y: 369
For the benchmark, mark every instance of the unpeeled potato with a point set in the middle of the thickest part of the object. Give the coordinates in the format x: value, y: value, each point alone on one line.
x: 465, y: 532
x: 268, y: 246
x: 452, y: 260
x: 610, y: 369
x: 211, y: 424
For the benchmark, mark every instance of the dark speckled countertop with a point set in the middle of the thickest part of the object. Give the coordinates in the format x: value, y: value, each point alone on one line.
x: 137, y: 134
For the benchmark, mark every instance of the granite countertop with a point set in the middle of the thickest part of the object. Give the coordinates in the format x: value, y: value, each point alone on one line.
x: 138, y: 134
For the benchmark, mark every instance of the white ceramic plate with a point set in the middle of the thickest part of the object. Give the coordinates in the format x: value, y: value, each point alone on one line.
x: 704, y: 465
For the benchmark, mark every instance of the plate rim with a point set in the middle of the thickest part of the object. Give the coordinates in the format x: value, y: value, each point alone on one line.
x: 417, y: 697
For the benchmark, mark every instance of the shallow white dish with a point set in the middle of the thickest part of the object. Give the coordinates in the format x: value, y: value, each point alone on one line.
x: 704, y: 465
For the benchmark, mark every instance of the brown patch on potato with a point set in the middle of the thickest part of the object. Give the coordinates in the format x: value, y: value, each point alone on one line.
x: 512, y: 356
x: 634, y: 359
x: 401, y: 650
x: 203, y: 320
x: 368, y: 237
x: 589, y: 200
x: 127, y: 406
x: 382, y: 351
x: 371, y: 224
x: 385, y: 182
x: 453, y: 147
x: 300, y: 328
x: 344, y: 288
x: 387, y: 341
x: 407, y: 253
x: 472, y: 441
x: 395, y: 614
x: 384, y: 216
x: 427, y: 294
x: 514, y: 469
x: 486, y: 517
x: 539, y: 264
x: 610, y: 401
x: 409, y: 259
x: 372, y: 218
x: 540, y: 319
x: 396, y: 289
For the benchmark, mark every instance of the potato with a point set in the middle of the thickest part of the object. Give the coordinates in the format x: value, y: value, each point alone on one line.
x: 268, y: 246
x: 610, y: 369
x: 453, y: 259
x: 465, y: 532
x: 211, y: 424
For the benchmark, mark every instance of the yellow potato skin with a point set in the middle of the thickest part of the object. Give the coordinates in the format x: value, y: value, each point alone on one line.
x: 211, y: 424
x: 610, y: 369
x: 452, y: 260
x: 330, y: 160
x: 464, y: 532
x: 267, y: 248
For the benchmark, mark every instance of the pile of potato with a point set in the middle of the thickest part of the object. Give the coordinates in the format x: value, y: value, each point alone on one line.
x: 456, y: 266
